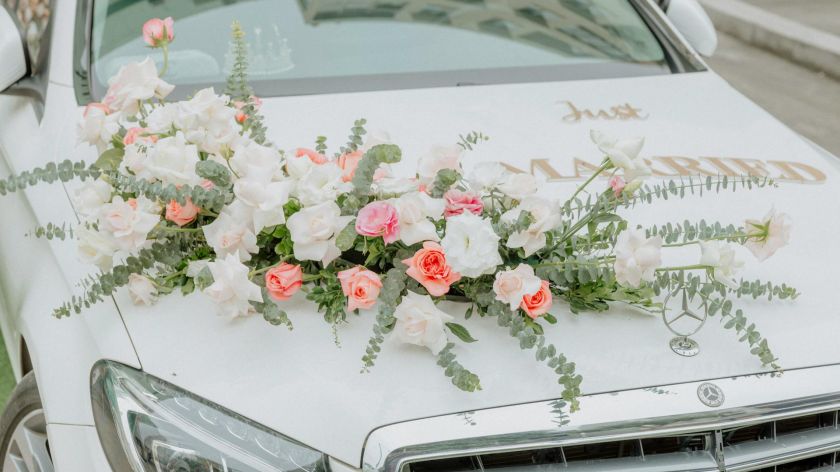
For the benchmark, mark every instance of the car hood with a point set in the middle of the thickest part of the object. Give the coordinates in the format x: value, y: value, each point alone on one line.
x: 306, y: 383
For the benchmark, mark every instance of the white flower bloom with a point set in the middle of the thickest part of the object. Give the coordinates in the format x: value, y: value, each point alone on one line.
x: 314, y: 229
x: 297, y: 167
x: 141, y: 290
x: 439, y: 158
x: 90, y: 196
x: 723, y: 258
x: 266, y: 198
x: 233, y: 232
x: 129, y: 222
x: 519, y: 185
x: 208, y: 121
x: 414, y: 210
x: 95, y: 247
x: 135, y: 160
x: 636, y: 257
x: 624, y: 154
x: 486, y: 176
x: 195, y: 267
x: 97, y: 127
x: 162, y: 119
x: 172, y: 161
x: 471, y: 245
x: 420, y: 322
x: 321, y: 183
x: 231, y: 290
x: 394, y: 186
x: 546, y: 217
x: 134, y: 83
x: 768, y: 234
x: 511, y: 286
x: 256, y: 161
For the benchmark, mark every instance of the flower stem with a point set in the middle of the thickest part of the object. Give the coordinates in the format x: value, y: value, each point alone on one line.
x: 718, y: 238
x: 592, y: 177
x: 687, y: 267
x: 165, y: 60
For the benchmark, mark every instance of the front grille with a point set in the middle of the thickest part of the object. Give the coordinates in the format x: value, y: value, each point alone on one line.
x: 793, y: 444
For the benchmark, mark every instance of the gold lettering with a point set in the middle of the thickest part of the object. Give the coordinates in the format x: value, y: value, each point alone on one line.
x: 587, y: 168
x: 657, y: 172
x: 619, y: 112
x: 684, y: 166
x: 513, y: 169
x: 751, y: 166
x: 545, y: 167
x: 790, y: 171
x: 721, y: 167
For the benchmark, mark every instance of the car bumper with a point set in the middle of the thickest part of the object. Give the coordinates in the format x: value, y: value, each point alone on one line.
x: 76, y: 448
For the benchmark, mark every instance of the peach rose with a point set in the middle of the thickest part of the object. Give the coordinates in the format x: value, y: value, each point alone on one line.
x: 157, y: 32
x: 96, y: 105
x: 378, y: 219
x: 361, y: 286
x: 133, y: 134
x: 457, y: 202
x: 538, y: 303
x: 181, y: 214
x: 429, y: 267
x: 348, y: 163
x: 282, y: 281
x: 313, y: 156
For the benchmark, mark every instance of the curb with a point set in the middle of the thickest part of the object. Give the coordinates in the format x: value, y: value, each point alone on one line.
x: 802, y: 44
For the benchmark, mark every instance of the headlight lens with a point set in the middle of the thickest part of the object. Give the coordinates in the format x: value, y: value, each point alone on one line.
x: 148, y: 425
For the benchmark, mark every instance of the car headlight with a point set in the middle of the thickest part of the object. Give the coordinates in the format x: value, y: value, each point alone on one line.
x: 148, y: 425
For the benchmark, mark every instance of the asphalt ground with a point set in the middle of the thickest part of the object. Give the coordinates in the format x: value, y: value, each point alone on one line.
x: 805, y: 100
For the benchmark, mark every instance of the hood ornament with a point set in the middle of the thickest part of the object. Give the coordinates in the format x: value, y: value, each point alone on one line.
x: 686, y: 321
x: 710, y: 395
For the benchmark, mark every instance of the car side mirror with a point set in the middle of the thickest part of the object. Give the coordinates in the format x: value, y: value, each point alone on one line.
x: 13, y: 53
x: 694, y: 24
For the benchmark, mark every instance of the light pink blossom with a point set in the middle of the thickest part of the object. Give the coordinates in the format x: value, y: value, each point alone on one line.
x: 378, y: 219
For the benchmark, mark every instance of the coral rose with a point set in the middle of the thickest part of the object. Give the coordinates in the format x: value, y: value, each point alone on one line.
x: 157, y: 32
x: 283, y: 281
x: 348, y: 163
x: 378, y: 219
x: 458, y: 202
x: 538, y: 303
x: 314, y: 156
x: 429, y: 267
x: 361, y: 286
x: 181, y: 214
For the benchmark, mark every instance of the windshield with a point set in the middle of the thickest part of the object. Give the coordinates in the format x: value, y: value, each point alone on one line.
x: 319, y: 46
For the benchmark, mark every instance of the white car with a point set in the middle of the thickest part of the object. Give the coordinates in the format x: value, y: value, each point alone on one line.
x: 174, y: 387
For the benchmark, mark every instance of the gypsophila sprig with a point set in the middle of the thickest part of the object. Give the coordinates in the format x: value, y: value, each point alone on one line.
x: 192, y: 197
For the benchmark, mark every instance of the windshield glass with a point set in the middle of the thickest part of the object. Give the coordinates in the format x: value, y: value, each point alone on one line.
x: 319, y: 46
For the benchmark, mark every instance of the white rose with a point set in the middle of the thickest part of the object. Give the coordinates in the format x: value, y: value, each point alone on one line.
x: 172, y: 161
x: 95, y: 247
x: 90, y: 196
x: 265, y: 198
x: 162, y: 119
x: 233, y: 232
x: 97, y: 126
x: 141, y: 290
x: 511, y: 286
x: 134, y: 162
x: 394, y: 186
x: 546, y: 217
x: 195, y: 267
x: 414, y: 210
x: 636, y: 257
x: 471, y: 245
x: 439, y: 158
x: 624, y: 154
x: 723, y: 259
x: 767, y: 235
x: 420, y: 322
x: 135, y: 83
x: 231, y: 290
x: 321, y: 183
x: 314, y: 229
x: 519, y: 185
x: 486, y: 176
x: 209, y: 121
x: 129, y: 222
x: 254, y: 160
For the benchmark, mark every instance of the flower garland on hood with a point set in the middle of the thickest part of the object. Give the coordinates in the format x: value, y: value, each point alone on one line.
x: 189, y: 195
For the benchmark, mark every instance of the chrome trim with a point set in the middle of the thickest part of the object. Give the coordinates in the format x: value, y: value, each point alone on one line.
x: 654, y: 12
x: 612, y: 416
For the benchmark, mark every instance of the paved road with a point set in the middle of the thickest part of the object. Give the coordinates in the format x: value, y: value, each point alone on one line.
x: 820, y: 14
x: 807, y: 101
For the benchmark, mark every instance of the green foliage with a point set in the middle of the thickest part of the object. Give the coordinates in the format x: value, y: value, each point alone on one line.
x: 271, y: 312
x: 64, y: 171
x: 747, y: 331
x: 321, y: 145
x: 214, y: 172
x: 393, y: 285
x: 444, y: 180
x: 347, y: 237
x: 214, y: 199
x: 687, y: 232
x: 461, y: 332
x: 697, y: 186
x: 52, y: 231
x: 461, y: 377
x: 238, y: 88
x: 376, y: 156
x: 110, y: 160
x: 355, y: 139
x: 759, y: 288
x: 329, y: 297
x: 471, y: 139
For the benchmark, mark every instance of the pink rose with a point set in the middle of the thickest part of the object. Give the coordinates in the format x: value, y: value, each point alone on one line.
x: 207, y: 184
x: 348, y: 163
x: 99, y: 106
x: 282, y: 281
x: 538, y: 303
x: 511, y: 286
x: 240, y: 117
x: 133, y: 134
x: 361, y: 286
x: 157, y: 32
x: 181, y: 214
x: 457, y: 202
x: 429, y: 267
x: 617, y: 184
x: 378, y: 219
x: 313, y: 156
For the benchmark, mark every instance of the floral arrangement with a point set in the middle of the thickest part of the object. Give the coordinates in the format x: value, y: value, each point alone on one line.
x: 191, y: 195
